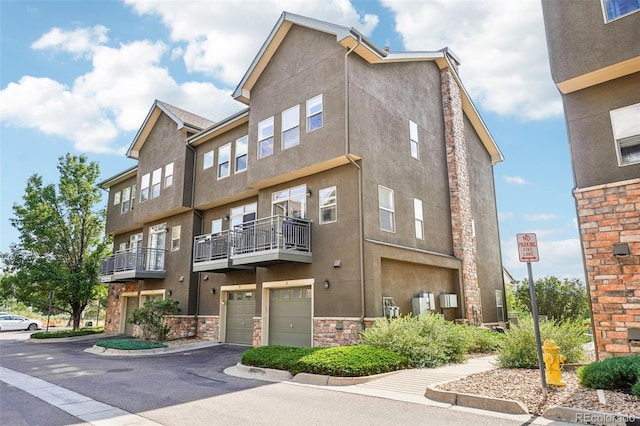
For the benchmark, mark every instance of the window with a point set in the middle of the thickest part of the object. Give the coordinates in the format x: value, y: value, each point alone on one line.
x: 386, y: 209
x: 243, y: 214
x: 499, y: 305
x: 265, y: 138
x: 133, y: 196
x: 116, y: 198
x: 614, y: 9
x: 207, y: 161
x: 328, y: 205
x: 626, y: 132
x: 144, y: 188
x: 291, y: 127
x: 418, y: 218
x: 168, y: 175
x: 224, y: 160
x: 290, y: 202
x: 314, y: 113
x: 241, y: 154
x: 122, y: 247
x: 134, y: 240
x: 413, y: 136
x: 126, y: 197
x: 216, y: 226
x: 155, y: 183
x: 175, y: 238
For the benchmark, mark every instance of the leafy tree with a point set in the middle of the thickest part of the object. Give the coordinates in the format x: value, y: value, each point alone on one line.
x: 151, y: 318
x: 559, y: 300
x: 60, y: 241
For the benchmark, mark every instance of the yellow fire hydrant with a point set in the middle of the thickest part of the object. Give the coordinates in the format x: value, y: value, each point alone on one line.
x: 552, y: 360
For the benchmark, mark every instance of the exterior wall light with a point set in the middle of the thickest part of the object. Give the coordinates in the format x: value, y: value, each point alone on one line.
x: 621, y: 250
x: 326, y: 284
x: 212, y: 291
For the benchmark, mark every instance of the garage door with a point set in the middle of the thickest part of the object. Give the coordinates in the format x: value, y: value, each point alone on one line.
x: 290, y: 316
x: 241, y: 307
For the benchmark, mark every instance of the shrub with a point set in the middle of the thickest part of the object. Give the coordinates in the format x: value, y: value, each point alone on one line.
x: 341, y: 361
x: 129, y: 344
x: 58, y: 334
x: 636, y: 388
x: 150, y: 318
x: 612, y: 373
x: 426, y: 340
x: 557, y: 299
x: 482, y: 340
x: 518, y: 349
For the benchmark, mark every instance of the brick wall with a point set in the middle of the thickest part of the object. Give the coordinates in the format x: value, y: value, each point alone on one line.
x: 609, y: 215
x: 182, y: 326
x: 257, y: 332
x: 209, y: 327
x: 464, y: 246
x: 114, y: 303
x: 337, y: 331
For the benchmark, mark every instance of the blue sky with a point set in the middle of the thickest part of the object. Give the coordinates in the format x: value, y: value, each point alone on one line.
x: 80, y: 76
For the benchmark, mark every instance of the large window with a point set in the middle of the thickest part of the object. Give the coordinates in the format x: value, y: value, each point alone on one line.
x: 116, y: 198
x: 155, y: 183
x: 328, y: 205
x: 614, y: 9
x: 418, y: 218
x: 314, y: 113
x: 626, y: 132
x: 175, y: 238
x: 207, y: 160
x: 168, y: 175
x: 386, y: 209
x: 144, y: 188
x: 413, y: 139
x: 224, y: 161
x: 265, y: 138
x: 126, y: 200
x: 291, y: 127
x: 241, y: 154
x: 134, y: 240
x: 290, y: 202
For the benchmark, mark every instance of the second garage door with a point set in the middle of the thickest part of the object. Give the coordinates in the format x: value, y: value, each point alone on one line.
x: 241, y: 307
x: 290, y: 316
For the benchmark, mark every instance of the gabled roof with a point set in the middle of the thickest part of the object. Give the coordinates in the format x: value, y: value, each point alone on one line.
x: 351, y: 38
x: 123, y: 175
x: 183, y: 119
x: 220, y: 127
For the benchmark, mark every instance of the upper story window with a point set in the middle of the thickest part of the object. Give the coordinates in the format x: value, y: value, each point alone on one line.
x: 224, y: 161
x: 144, y: 188
x: 413, y: 139
x: 116, y: 198
x: 328, y: 205
x: 314, y: 113
x: 243, y: 214
x: 175, y: 238
x: 265, y: 138
x: 386, y: 209
x: 216, y: 226
x: 133, y: 196
x: 290, y: 202
x: 614, y: 9
x: 291, y: 127
x: 155, y: 182
x: 418, y: 218
x: 207, y: 160
x: 168, y: 175
x: 242, y: 145
x: 134, y: 240
x: 126, y: 200
x: 626, y: 132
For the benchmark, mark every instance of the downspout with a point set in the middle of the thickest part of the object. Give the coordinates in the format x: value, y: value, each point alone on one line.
x: 348, y: 157
x: 196, y: 212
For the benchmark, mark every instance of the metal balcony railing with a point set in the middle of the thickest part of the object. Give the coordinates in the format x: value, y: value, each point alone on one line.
x: 138, y: 259
x: 272, y: 233
x: 211, y: 247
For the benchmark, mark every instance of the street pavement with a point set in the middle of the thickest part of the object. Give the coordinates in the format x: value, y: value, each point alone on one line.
x: 61, y: 384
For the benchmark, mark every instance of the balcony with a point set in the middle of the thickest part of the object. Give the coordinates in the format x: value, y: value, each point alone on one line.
x: 133, y: 264
x: 261, y: 242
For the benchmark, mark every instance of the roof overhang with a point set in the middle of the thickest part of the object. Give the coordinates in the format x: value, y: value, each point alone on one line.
x: 602, y: 75
x: 120, y: 177
x: 229, y: 123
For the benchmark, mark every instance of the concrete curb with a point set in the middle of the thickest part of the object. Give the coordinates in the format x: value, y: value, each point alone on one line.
x: 576, y: 415
x: 98, y: 336
x: 507, y: 406
x: 99, y: 350
x: 267, y: 374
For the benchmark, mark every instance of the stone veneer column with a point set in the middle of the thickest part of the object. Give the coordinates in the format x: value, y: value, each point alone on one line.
x: 464, y: 246
x: 114, y: 305
x: 609, y: 214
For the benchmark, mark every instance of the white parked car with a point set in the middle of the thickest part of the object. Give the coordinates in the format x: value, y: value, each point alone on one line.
x: 18, y: 322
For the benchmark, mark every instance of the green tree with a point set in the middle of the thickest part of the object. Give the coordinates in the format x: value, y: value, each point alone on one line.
x: 559, y: 300
x: 61, y: 240
x: 151, y: 318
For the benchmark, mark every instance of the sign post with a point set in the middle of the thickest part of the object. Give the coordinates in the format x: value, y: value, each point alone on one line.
x: 49, y: 314
x: 528, y: 252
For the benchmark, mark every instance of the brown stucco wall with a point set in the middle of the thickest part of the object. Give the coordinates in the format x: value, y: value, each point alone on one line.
x: 117, y: 221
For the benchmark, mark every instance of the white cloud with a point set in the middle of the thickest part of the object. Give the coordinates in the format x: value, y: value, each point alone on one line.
x: 505, y: 215
x: 501, y: 45
x: 80, y: 41
x: 223, y: 37
x: 517, y: 180
x: 539, y: 217
x: 561, y: 258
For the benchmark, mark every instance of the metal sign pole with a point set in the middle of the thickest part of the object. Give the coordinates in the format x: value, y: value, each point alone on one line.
x: 49, y: 314
x: 536, y: 326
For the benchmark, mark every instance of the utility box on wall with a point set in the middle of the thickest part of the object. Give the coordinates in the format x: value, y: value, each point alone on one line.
x: 423, y: 303
x: 448, y: 300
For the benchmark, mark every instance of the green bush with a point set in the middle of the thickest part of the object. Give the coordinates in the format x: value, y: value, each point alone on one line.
x: 341, y: 361
x: 518, y: 349
x: 151, y: 318
x: 482, y: 340
x: 426, y: 340
x: 612, y: 373
x: 129, y: 344
x: 58, y: 334
x: 636, y: 388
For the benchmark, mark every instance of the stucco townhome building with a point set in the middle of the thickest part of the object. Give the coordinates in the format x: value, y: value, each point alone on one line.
x: 594, y: 51
x: 355, y: 180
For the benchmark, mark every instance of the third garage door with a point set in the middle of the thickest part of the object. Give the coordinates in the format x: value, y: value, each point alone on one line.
x: 241, y: 307
x: 290, y: 316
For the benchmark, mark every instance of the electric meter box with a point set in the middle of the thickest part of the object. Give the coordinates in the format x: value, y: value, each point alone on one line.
x: 449, y: 300
x: 423, y: 303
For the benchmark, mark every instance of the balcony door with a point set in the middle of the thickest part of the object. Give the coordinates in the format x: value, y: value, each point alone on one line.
x: 291, y: 202
x: 157, y: 239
